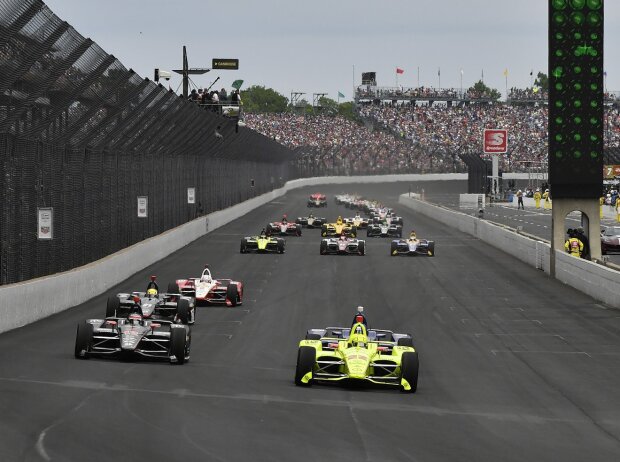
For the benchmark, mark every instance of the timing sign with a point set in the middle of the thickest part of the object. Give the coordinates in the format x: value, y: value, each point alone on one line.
x: 228, y: 64
x: 191, y: 195
x: 495, y: 141
x: 576, y: 98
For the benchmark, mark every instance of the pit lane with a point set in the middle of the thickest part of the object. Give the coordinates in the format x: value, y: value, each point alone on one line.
x: 514, y: 366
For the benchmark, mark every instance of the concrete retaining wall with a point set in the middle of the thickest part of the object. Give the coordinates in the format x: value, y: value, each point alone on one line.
x: 597, y: 281
x: 29, y: 301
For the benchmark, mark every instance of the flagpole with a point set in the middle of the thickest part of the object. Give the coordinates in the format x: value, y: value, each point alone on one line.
x: 439, y: 77
x: 418, y: 76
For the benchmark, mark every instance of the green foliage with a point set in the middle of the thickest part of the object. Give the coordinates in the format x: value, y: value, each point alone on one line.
x: 542, y: 81
x: 260, y: 99
x: 346, y: 110
x: 481, y: 88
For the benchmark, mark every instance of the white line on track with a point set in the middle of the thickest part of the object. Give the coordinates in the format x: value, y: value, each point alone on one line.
x: 543, y: 352
x: 366, y: 405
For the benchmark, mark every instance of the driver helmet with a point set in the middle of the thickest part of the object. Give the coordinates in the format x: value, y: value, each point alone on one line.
x: 310, y: 215
x: 412, y: 234
x: 339, y: 220
x: 262, y: 232
x: 284, y: 218
x: 343, y: 236
x: 152, y: 292
x: 358, y: 337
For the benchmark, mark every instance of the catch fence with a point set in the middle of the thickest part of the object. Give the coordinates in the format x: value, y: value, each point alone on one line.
x: 83, y: 135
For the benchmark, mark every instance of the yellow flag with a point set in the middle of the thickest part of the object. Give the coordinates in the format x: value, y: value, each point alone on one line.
x: 506, y: 72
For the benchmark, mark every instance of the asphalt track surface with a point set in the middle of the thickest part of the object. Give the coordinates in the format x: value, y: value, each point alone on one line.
x: 514, y: 366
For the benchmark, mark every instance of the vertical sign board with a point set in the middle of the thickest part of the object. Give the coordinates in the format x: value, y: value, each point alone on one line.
x: 45, y: 223
x: 495, y: 141
x: 576, y: 98
x: 191, y: 195
x: 143, y: 206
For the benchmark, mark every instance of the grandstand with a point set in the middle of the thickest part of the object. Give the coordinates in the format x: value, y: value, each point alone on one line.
x: 421, y: 130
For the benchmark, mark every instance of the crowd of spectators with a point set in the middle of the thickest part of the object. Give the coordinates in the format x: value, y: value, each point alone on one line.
x: 528, y: 94
x: 418, y: 138
x: 337, y: 143
x: 460, y: 128
x: 370, y: 92
x: 213, y: 97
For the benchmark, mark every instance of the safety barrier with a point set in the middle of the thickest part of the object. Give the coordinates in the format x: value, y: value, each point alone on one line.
x: 599, y: 282
x: 26, y: 302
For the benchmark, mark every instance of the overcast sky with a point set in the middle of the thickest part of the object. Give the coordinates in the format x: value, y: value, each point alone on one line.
x: 312, y: 46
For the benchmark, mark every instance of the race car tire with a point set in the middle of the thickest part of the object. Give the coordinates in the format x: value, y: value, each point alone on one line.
x: 242, y: 248
x: 306, y: 358
x: 394, y: 249
x: 431, y: 248
x: 354, y: 232
x: 183, y: 311
x: 409, y: 366
x: 405, y: 341
x: 83, y: 339
x: 323, y: 248
x: 232, y: 294
x: 361, y: 248
x: 280, y: 246
x: 323, y: 230
x: 173, y: 288
x: 313, y: 337
x: 178, y: 345
x: 112, y: 307
x: 298, y: 230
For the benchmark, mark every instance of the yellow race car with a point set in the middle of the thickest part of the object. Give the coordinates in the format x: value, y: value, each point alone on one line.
x: 358, y: 354
x: 338, y: 228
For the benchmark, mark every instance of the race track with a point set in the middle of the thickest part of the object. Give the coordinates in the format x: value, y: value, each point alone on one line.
x: 514, y: 366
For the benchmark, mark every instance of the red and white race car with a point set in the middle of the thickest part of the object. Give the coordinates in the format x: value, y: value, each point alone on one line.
x: 317, y: 200
x: 283, y: 228
x: 212, y: 291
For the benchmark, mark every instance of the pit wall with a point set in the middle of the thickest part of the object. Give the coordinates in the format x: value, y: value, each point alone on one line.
x: 29, y: 301
x: 599, y: 282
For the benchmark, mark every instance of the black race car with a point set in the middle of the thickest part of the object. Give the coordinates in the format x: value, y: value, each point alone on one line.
x: 133, y: 336
x: 165, y: 306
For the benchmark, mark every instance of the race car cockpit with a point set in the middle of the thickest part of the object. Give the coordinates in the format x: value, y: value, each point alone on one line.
x: 358, y: 336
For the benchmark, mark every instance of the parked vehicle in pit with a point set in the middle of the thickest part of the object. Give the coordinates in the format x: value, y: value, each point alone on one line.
x: 154, y: 305
x: 338, y: 228
x: 317, y: 200
x: 343, y: 246
x: 310, y: 221
x: 358, y: 354
x: 610, y: 240
x: 209, y: 290
x: 283, y: 228
x: 357, y: 221
x: 384, y: 229
x: 133, y: 336
x: 262, y: 244
x: 412, y: 246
